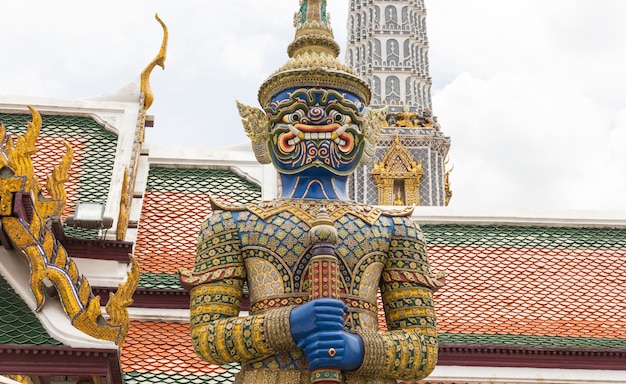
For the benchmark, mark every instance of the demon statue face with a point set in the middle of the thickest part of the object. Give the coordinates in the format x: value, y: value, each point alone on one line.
x: 315, y: 131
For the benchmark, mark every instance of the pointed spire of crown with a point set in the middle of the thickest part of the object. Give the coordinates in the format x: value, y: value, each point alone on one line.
x: 313, y: 29
x: 313, y: 58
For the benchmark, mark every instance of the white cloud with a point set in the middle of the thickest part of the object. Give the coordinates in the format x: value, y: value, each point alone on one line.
x: 531, y: 93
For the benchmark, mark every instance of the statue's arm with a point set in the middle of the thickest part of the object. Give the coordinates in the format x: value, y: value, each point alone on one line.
x: 408, y: 350
x: 218, y: 333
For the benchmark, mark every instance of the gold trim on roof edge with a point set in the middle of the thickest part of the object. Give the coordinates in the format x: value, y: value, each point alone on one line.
x: 24, y: 214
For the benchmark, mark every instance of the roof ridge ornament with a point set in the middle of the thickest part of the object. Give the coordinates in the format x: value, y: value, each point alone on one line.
x: 158, y: 60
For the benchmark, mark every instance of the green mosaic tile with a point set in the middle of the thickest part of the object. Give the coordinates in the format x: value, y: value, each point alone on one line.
x: 95, y: 169
x: 205, y: 181
x: 524, y: 236
x: 533, y: 341
x: 151, y: 280
x: 18, y: 324
x: 228, y: 377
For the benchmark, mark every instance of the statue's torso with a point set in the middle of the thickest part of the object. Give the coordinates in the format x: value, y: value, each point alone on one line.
x: 273, y: 243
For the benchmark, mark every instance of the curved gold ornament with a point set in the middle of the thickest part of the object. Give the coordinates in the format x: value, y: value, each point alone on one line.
x: 256, y: 124
x: 130, y: 176
x: 18, y: 153
x: 117, y: 307
x: 158, y: 60
x: 446, y: 182
x: 24, y: 213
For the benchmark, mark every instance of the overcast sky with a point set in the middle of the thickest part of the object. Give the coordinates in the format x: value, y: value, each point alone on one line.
x: 532, y: 93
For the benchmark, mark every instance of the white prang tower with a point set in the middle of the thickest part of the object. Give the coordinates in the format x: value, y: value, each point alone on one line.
x: 388, y: 47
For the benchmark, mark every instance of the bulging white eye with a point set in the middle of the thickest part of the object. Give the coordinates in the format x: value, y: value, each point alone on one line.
x: 339, y: 117
x: 294, y: 117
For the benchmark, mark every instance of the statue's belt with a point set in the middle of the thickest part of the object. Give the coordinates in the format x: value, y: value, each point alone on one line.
x: 353, y: 303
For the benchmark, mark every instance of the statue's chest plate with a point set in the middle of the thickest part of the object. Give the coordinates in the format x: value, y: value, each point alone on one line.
x: 276, y: 251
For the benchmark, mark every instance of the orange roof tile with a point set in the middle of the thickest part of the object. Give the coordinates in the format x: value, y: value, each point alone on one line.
x: 163, y: 347
x: 175, y: 216
x: 49, y: 153
x: 537, y: 291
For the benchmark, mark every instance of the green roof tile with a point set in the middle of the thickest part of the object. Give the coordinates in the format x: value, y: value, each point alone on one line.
x: 524, y: 236
x: 205, y: 181
x: 151, y: 280
x: 18, y: 324
x: 533, y: 341
x: 228, y: 377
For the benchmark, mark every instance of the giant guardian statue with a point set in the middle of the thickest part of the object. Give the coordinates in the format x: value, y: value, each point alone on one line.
x: 315, y: 264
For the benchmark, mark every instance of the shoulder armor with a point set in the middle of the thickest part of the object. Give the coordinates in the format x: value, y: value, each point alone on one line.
x: 221, y: 205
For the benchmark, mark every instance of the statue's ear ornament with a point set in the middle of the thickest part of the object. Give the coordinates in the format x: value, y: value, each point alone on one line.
x: 256, y: 124
x: 374, y: 119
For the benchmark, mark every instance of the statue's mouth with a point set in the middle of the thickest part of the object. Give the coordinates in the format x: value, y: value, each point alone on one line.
x: 334, y: 132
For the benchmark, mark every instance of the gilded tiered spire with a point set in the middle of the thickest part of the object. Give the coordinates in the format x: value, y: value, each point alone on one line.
x: 313, y: 58
x: 313, y: 29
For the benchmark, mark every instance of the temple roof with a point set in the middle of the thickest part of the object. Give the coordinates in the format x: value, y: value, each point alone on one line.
x: 530, y: 286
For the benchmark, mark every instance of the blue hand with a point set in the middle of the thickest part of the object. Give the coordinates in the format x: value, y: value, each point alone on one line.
x: 315, y: 316
x: 348, y: 350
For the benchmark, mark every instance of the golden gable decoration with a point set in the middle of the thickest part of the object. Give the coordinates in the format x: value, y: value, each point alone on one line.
x: 25, y: 216
x: 398, y: 176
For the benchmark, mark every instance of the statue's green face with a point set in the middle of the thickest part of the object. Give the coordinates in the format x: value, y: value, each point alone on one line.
x: 315, y: 131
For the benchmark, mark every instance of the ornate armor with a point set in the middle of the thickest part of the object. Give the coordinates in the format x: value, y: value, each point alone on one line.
x: 266, y: 244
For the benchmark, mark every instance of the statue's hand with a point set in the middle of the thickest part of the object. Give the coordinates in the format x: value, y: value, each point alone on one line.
x: 333, y: 349
x: 315, y: 316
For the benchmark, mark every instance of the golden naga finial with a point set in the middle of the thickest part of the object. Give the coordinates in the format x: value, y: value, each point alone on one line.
x: 158, y: 60
x: 18, y: 153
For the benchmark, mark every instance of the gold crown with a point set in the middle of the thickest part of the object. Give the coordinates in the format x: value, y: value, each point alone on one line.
x: 313, y: 59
